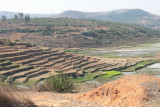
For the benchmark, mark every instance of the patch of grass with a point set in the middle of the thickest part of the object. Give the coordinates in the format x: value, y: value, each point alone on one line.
x: 31, y: 82
x: 87, y: 77
x: 111, y: 74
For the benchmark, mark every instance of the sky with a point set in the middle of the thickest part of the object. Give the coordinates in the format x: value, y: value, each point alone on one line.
x: 58, y: 6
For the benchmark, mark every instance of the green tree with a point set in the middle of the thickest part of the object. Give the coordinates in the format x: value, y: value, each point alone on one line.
x: 20, y: 15
x: 4, y: 18
x: 27, y: 18
x: 15, y: 16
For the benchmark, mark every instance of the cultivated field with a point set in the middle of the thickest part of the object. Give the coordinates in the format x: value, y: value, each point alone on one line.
x: 23, y: 63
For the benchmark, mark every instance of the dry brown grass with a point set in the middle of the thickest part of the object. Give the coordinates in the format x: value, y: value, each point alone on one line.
x: 43, y: 88
x: 8, y: 100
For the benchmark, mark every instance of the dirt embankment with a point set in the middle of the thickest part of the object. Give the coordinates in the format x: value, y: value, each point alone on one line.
x: 128, y: 91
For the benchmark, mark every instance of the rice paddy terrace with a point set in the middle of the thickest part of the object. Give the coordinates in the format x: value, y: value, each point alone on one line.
x: 21, y: 63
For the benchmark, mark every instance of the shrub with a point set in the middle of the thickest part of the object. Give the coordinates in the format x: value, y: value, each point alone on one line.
x: 28, y: 45
x: 60, y: 83
x: 10, y: 80
x: 3, y: 78
x: 9, y: 43
x: 90, y: 34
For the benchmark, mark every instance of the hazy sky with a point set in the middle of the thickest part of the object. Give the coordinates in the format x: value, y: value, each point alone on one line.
x: 57, y: 6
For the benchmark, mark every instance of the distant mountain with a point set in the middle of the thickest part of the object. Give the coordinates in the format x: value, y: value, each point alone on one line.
x: 132, y: 16
x: 10, y: 15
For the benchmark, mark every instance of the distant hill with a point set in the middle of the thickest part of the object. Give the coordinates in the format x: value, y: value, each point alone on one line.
x: 131, y: 16
x: 123, y: 15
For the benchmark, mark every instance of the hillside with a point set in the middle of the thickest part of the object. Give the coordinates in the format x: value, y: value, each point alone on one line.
x: 75, y: 33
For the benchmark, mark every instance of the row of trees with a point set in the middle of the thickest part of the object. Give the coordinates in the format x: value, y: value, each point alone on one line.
x: 18, y: 16
x: 22, y: 16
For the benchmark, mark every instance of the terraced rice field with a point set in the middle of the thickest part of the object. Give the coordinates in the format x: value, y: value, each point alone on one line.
x: 33, y: 63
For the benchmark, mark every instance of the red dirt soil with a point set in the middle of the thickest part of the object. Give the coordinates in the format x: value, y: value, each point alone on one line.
x: 128, y: 91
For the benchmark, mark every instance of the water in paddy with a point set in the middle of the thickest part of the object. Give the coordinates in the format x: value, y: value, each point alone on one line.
x: 153, y: 70
x: 128, y: 73
x: 141, y: 50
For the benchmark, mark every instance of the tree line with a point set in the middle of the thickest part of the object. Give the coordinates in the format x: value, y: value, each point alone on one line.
x: 21, y: 16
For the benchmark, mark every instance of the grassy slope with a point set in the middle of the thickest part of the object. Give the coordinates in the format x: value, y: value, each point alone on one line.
x: 80, y: 33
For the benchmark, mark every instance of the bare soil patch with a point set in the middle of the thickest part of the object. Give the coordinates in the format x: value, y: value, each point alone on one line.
x: 48, y: 99
x: 128, y: 91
